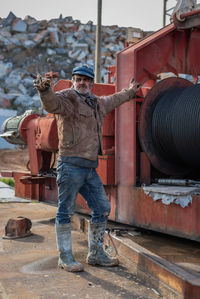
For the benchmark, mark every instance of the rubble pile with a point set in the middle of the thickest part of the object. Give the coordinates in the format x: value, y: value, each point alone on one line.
x: 30, y: 46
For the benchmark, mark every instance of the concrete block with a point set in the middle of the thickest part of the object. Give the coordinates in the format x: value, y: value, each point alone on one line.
x: 19, y: 26
x: 9, y: 20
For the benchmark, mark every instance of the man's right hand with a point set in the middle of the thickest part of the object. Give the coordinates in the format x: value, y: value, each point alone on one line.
x: 134, y: 85
x: 41, y: 83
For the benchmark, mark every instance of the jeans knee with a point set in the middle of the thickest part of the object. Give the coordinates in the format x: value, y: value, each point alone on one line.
x: 63, y: 220
x: 100, y: 218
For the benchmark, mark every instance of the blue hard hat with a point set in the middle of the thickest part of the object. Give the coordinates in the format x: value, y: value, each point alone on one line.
x: 83, y: 70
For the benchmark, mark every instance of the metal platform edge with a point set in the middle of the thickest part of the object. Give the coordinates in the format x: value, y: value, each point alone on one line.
x: 169, y: 279
x: 181, y: 282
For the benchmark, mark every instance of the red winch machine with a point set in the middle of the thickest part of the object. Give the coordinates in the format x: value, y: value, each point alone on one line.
x: 150, y: 165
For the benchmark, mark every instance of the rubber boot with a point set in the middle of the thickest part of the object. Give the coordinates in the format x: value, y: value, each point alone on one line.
x: 64, y: 243
x: 97, y: 255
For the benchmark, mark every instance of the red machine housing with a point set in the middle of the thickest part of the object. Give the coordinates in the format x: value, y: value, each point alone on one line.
x: 124, y: 167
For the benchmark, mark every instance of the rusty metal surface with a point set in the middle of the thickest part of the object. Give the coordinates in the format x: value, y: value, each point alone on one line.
x: 23, y: 125
x: 145, y: 169
x: 34, y: 180
x: 48, y: 192
x: 133, y: 207
x: 186, y: 284
x: 30, y: 191
x: 106, y: 169
x: 7, y: 173
x: 136, y: 208
x: 41, y: 136
x: 35, y: 157
x: 167, y: 50
x: 46, y: 133
x: 125, y: 144
x: 37, y: 188
x: 18, y: 227
x: 140, y: 210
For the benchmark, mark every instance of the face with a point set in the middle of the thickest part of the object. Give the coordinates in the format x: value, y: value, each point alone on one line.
x: 82, y: 83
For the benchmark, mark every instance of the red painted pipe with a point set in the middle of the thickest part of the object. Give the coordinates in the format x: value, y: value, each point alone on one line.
x: 190, y: 13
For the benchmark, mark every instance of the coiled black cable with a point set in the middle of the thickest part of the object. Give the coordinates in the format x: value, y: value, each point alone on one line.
x: 176, y: 126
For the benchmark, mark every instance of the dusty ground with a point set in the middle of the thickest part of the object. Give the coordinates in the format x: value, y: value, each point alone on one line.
x: 28, y: 266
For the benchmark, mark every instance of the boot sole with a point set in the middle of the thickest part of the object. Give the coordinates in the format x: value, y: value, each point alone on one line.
x: 95, y: 263
x: 70, y: 269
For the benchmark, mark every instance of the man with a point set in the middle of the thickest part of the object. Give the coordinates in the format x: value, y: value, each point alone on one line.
x: 80, y: 116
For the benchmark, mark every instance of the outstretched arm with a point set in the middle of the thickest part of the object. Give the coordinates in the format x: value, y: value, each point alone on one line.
x: 52, y: 102
x: 113, y: 101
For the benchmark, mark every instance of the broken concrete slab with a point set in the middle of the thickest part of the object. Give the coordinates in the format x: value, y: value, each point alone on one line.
x: 40, y: 36
x: 54, y: 35
x: 9, y: 20
x: 19, y: 25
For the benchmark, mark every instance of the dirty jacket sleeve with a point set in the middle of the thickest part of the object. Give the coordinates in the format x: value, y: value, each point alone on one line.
x: 108, y: 103
x: 57, y: 103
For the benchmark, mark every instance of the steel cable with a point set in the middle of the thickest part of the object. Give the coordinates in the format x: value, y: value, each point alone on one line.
x: 176, y: 126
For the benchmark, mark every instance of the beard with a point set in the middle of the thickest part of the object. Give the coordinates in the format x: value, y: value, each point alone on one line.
x: 83, y: 88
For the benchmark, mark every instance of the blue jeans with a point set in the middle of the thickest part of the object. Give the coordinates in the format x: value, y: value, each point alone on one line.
x: 72, y: 180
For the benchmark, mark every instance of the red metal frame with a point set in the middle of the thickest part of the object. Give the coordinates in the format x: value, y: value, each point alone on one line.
x: 167, y: 50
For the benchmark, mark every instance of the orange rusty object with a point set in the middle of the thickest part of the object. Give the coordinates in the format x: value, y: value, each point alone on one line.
x: 46, y: 133
x: 23, y: 126
x: 29, y: 191
x: 17, y: 228
x: 40, y: 134
x: 28, y: 180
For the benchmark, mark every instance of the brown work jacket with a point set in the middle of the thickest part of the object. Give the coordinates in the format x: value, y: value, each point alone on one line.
x: 79, y: 125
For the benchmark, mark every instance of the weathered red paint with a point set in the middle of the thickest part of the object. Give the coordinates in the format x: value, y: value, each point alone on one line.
x: 145, y: 170
x: 30, y: 191
x: 142, y: 211
x: 185, y: 284
x: 106, y: 169
x: 167, y: 50
x: 46, y: 133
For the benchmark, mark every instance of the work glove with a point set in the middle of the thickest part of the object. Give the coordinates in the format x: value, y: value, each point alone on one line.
x: 134, y: 85
x: 41, y: 83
